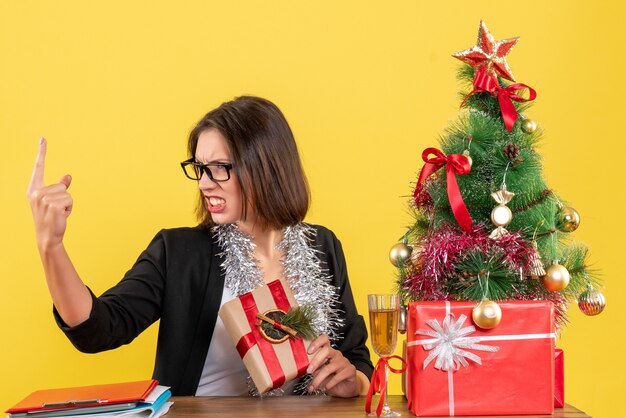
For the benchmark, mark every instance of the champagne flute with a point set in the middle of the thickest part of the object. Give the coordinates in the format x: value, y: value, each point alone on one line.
x: 384, y: 311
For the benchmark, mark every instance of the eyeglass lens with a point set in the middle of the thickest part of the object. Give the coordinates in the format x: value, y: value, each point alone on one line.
x: 215, y: 172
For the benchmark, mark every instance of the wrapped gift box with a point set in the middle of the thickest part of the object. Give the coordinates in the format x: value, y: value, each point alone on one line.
x: 507, y: 370
x: 270, y: 364
x: 559, y: 379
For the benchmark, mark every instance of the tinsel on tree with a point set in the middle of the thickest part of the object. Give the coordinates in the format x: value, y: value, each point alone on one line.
x: 486, y: 223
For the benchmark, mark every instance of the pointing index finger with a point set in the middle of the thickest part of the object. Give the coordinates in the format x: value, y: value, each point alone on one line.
x: 36, y: 181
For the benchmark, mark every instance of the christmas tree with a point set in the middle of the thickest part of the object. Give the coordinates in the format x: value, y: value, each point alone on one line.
x: 487, y: 227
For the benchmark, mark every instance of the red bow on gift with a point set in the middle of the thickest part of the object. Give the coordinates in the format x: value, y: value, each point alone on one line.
x: 455, y: 164
x: 484, y: 82
x: 379, y: 382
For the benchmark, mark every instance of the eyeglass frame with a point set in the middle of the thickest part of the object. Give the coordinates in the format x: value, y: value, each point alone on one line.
x: 204, y: 168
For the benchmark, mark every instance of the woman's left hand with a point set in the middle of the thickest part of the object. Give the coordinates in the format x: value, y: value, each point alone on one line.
x: 331, y: 370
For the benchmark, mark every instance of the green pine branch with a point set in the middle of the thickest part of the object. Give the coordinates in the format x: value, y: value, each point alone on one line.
x: 481, y: 275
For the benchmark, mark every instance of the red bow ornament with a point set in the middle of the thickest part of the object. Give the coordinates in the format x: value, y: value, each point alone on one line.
x: 455, y: 164
x: 484, y: 82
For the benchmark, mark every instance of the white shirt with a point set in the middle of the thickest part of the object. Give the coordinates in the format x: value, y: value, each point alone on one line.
x: 224, y: 373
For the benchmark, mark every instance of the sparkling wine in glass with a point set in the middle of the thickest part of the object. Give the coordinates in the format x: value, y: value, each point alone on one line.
x: 384, y: 311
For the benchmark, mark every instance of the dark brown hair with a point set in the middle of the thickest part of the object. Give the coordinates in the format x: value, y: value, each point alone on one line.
x: 265, y: 160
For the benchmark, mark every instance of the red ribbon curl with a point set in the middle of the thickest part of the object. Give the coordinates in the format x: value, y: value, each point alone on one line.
x: 484, y: 82
x: 379, y: 383
x: 455, y: 164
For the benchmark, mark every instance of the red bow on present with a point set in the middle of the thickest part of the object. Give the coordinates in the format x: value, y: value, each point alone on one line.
x: 379, y: 382
x: 484, y: 82
x: 455, y: 164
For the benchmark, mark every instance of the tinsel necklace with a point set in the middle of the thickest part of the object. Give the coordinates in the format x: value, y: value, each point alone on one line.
x: 311, y: 284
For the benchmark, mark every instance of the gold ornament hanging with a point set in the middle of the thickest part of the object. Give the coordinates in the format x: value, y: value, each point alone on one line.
x: 487, y: 314
x: 536, y: 265
x: 529, y: 126
x: 399, y: 254
x: 469, y: 158
x: 501, y: 215
x: 556, y: 278
x: 591, y: 302
x: 567, y: 219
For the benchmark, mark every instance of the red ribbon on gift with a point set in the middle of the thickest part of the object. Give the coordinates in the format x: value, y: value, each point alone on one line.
x: 254, y: 337
x: 379, y: 382
x: 297, y: 344
x: 455, y: 164
x: 484, y: 82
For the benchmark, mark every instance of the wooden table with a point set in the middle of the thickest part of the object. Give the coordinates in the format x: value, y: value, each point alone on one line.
x: 302, y: 407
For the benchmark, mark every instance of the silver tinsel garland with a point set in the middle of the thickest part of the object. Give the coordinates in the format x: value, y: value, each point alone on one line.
x: 309, y: 282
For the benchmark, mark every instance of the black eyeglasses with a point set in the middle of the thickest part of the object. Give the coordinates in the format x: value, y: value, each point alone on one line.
x: 216, y: 171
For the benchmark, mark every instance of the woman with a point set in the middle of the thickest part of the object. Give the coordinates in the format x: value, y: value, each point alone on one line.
x: 253, y: 199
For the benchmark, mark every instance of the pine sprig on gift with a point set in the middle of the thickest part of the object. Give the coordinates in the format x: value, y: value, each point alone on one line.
x: 299, y: 319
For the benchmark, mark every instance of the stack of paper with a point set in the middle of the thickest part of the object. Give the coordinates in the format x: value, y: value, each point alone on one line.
x: 142, y: 399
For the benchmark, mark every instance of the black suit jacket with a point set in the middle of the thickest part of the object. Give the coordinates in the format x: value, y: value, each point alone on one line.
x: 178, y: 280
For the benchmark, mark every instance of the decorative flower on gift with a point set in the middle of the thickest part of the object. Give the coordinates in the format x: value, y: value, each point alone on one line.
x: 450, y: 342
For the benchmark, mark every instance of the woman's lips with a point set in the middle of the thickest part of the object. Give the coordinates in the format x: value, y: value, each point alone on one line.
x: 215, y: 204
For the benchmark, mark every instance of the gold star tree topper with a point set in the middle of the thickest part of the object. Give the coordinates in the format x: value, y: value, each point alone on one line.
x: 488, y: 54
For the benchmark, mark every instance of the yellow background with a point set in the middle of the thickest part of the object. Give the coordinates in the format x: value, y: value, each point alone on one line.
x: 116, y: 86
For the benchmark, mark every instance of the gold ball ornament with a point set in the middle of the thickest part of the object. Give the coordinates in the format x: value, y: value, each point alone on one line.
x: 399, y: 254
x: 501, y: 215
x: 556, y: 278
x: 529, y: 126
x: 591, y: 302
x: 469, y: 158
x: 487, y: 314
x: 567, y: 219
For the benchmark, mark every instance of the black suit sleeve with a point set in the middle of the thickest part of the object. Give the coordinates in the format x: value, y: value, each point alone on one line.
x: 353, y: 333
x: 124, y: 311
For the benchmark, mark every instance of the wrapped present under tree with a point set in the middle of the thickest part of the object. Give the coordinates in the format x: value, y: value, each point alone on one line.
x: 457, y: 369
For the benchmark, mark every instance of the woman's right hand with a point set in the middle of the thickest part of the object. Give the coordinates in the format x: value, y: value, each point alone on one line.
x: 51, y: 205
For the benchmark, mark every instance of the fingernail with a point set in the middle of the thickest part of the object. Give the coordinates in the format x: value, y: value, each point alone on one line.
x: 311, y: 349
x: 309, y: 369
x: 41, y: 140
x: 311, y: 388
